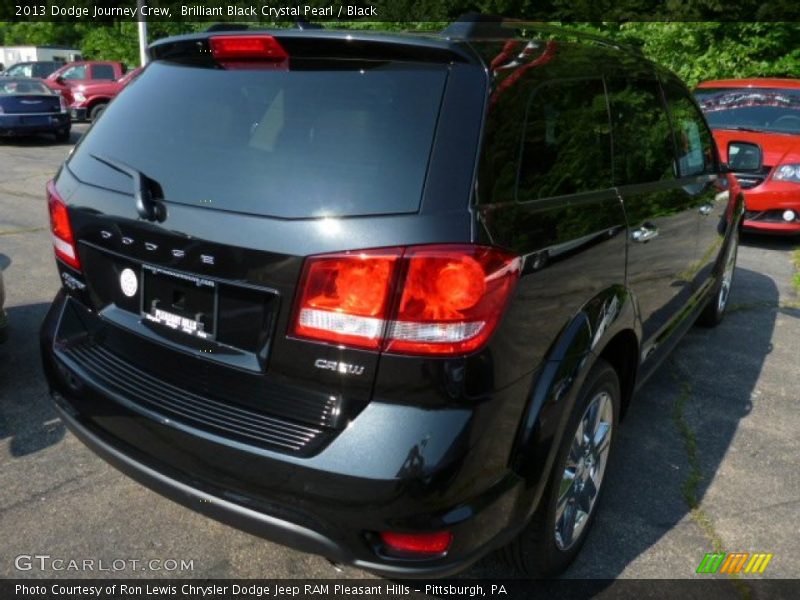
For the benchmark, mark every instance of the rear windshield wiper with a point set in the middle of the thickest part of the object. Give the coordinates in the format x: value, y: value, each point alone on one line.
x: 146, y: 191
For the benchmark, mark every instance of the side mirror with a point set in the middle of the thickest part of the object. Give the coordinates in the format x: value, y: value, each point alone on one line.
x: 60, y: 80
x: 744, y: 157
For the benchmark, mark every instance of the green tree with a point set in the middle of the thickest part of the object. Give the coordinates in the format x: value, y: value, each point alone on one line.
x: 694, y: 50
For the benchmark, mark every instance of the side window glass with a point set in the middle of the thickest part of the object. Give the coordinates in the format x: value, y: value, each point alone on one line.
x: 644, y: 151
x: 695, y: 146
x: 566, y: 144
x: 105, y: 72
x: 499, y: 162
x: 77, y: 72
x: 21, y: 71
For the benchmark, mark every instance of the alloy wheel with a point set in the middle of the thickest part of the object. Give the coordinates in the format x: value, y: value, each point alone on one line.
x: 727, y: 275
x: 584, y: 470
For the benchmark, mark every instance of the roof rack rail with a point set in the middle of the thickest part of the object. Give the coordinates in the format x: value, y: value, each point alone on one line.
x: 227, y: 27
x: 303, y: 25
x: 476, y: 26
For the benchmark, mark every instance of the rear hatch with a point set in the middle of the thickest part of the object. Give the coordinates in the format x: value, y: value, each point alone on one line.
x: 258, y: 164
x: 346, y: 141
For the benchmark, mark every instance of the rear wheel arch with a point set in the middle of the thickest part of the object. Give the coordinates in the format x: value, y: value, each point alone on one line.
x: 604, y: 328
x: 555, y: 533
x: 622, y: 353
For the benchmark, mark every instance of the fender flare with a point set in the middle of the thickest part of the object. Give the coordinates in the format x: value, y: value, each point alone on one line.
x: 558, y: 383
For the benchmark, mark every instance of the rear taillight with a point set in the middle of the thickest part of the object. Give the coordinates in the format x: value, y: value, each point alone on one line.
x: 61, y: 228
x: 344, y: 298
x: 422, y: 300
x: 452, y: 298
x: 237, y: 49
x: 419, y: 544
x: 63, y: 103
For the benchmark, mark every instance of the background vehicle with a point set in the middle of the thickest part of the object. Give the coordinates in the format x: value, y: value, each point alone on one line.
x: 90, y: 99
x: 83, y: 72
x: 10, y: 55
x: 38, y: 69
x: 383, y: 297
x: 764, y: 113
x: 28, y: 106
x: 3, y: 316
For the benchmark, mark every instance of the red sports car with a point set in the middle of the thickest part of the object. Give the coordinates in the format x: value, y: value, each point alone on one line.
x: 764, y: 112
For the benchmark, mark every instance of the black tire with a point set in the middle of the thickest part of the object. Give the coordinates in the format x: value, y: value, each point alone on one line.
x: 714, y: 311
x: 96, y: 111
x: 62, y: 136
x: 535, y: 552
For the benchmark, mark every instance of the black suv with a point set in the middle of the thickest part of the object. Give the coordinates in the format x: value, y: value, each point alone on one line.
x: 383, y: 298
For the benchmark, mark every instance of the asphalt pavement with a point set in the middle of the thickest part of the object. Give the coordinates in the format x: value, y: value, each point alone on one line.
x: 706, y: 459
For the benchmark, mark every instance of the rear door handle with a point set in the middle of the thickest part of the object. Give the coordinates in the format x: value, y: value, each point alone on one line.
x: 645, y: 233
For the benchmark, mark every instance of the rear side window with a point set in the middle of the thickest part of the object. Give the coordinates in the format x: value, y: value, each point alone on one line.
x: 105, y: 72
x: 350, y: 140
x: 499, y: 164
x: 643, y: 146
x: 566, y: 146
x: 693, y: 141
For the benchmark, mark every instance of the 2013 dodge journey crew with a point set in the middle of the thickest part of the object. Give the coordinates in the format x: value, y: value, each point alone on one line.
x: 384, y: 298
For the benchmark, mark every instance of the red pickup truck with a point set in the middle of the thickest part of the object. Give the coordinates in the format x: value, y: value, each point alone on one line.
x: 83, y: 72
x: 90, y: 99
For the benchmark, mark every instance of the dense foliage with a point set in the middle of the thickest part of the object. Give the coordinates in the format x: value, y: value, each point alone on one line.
x: 694, y: 50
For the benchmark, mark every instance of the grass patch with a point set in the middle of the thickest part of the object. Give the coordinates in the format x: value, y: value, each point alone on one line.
x: 23, y: 230
x: 690, y: 488
x: 796, y: 278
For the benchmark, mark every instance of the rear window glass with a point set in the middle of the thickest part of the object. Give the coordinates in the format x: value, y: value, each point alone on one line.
x: 10, y: 88
x: 103, y: 72
x: 293, y: 144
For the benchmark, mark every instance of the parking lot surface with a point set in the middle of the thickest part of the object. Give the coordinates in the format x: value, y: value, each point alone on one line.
x: 706, y: 459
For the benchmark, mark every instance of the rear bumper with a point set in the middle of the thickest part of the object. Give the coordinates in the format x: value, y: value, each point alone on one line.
x: 330, y: 504
x: 264, y: 525
x: 11, y: 125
